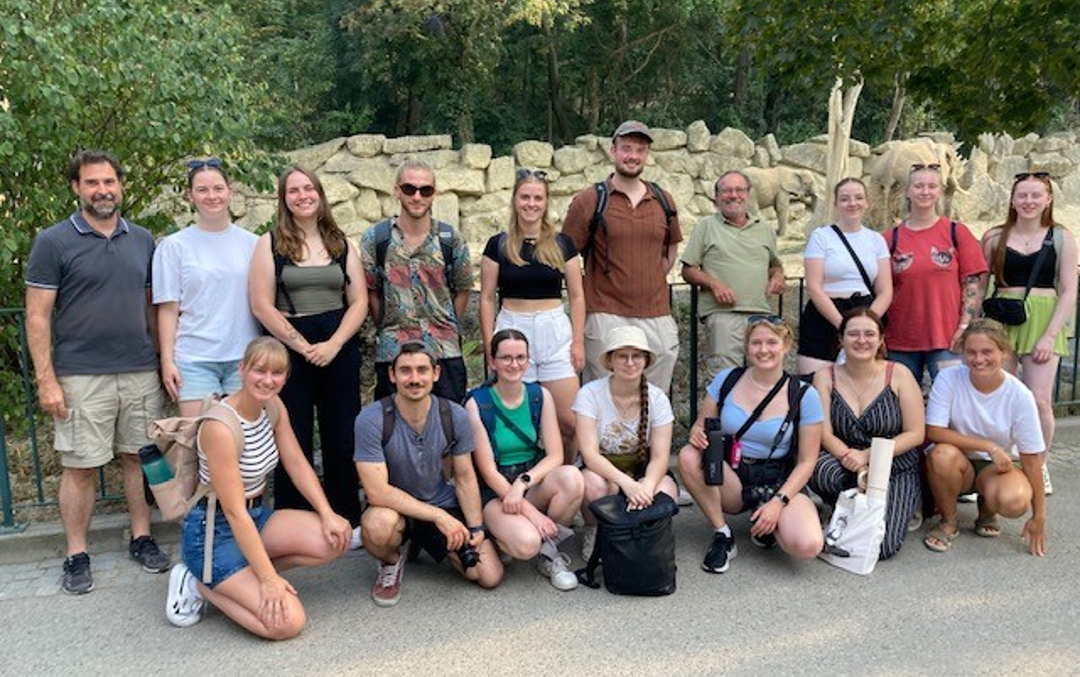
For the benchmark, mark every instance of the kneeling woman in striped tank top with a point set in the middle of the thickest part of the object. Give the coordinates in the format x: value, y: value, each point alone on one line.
x: 251, y: 542
x: 864, y: 398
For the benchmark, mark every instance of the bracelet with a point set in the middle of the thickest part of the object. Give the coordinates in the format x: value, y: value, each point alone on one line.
x: 477, y: 529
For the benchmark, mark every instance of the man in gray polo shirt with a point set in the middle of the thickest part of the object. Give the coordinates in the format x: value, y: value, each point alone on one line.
x: 404, y: 479
x: 87, y: 323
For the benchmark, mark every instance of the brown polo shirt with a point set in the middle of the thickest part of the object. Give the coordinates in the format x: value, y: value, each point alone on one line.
x: 635, y: 283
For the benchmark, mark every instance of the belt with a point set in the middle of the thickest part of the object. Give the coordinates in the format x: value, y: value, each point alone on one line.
x: 253, y: 502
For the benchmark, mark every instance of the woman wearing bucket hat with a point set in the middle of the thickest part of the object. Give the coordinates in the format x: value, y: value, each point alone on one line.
x: 624, y: 427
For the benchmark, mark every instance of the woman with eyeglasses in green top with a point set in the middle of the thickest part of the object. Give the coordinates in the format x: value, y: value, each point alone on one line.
x: 524, y: 269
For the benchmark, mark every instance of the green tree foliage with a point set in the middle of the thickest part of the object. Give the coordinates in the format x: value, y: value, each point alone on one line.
x: 155, y: 82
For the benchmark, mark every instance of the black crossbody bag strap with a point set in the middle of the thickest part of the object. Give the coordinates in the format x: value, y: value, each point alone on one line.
x: 512, y: 427
x: 858, y: 263
x: 1039, y: 261
x: 754, y: 415
x: 792, y: 414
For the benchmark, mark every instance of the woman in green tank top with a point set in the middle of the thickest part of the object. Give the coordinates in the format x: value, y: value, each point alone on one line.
x: 531, y: 497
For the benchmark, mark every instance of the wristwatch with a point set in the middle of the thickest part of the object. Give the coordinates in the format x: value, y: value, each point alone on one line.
x: 784, y: 500
x: 477, y: 529
x: 525, y: 479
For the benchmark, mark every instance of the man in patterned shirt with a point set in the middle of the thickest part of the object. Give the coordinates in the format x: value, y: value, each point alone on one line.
x: 419, y: 277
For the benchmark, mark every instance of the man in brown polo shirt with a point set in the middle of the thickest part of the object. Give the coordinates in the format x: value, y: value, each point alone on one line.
x: 626, y: 263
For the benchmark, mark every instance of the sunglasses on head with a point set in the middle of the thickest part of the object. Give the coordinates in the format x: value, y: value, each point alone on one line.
x: 919, y: 166
x: 525, y: 173
x: 774, y: 320
x: 411, y: 189
x: 196, y: 165
x: 1031, y: 175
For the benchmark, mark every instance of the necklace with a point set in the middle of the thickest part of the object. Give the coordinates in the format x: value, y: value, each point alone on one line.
x: 766, y: 388
x: 627, y: 407
x: 1027, y: 241
x: 852, y: 383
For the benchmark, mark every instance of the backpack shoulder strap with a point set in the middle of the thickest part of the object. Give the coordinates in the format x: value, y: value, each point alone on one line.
x: 952, y: 235
x: 446, y: 245
x: 389, y: 418
x: 1059, y: 239
x: 535, y: 393
x: 446, y: 417
x: 669, y: 213
x: 597, y: 220
x: 279, y: 268
x: 729, y: 383
x: 895, y: 238
x: 382, y: 243
x: 225, y: 415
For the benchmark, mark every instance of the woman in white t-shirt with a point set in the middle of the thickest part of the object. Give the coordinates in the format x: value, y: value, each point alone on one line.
x: 624, y: 426
x: 204, y: 320
x: 833, y: 278
x: 985, y: 427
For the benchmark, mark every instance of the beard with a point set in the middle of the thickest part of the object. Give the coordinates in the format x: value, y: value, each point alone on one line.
x: 627, y: 173
x: 101, y: 206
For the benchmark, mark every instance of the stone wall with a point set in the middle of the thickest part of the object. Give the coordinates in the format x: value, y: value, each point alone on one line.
x: 474, y: 187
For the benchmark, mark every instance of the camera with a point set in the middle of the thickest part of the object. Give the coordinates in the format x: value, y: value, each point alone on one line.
x: 719, y: 448
x: 468, y: 556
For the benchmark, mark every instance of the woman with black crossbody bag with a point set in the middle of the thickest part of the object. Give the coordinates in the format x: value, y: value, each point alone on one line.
x: 847, y: 266
x: 768, y: 426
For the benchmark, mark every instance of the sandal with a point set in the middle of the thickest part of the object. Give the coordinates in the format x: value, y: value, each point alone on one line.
x: 939, y: 540
x: 986, y: 526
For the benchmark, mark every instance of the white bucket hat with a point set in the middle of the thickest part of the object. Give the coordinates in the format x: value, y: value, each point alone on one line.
x: 628, y: 336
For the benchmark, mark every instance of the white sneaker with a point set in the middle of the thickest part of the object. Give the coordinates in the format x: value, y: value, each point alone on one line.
x: 184, y: 606
x: 558, y: 571
x: 684, y: 498
x: 915, y: 521
x: 1047, y: 487
x: 357, y: 541
x: 970, y: 497
x: 588, y: 542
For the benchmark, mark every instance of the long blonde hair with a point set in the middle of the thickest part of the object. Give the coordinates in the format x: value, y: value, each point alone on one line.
x: 547, y: 249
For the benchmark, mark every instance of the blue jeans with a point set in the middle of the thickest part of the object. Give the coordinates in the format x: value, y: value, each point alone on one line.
x: 918, y: 360
x: 227, y: 557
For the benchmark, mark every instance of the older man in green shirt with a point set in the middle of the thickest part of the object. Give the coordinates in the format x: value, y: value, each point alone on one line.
x: 733, y: 258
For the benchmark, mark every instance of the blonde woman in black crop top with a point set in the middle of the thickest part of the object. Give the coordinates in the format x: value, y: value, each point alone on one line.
x: 525, y: 268
x: 1011, y: 250
x: 307, y: 289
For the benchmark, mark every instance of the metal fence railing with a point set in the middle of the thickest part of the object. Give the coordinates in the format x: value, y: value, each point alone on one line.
x: 24, y: 476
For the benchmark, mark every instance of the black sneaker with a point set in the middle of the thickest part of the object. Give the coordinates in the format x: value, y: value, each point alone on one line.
x: 721, y: 551
x: 767, y: 541
x: 77, y: 578
x: 147, y: 553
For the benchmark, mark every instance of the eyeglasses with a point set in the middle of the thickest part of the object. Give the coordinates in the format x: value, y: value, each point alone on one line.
x: 525, y: 173
x: 774, y: 320
x: 628, y: 357
x: 507, y: 360
x: 738, y: 190
x: 1031, y: 175
x: 411, y: 189
x: 919, y: 166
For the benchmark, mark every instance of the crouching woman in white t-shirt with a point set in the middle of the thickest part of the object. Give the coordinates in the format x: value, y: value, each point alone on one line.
x: 985, y: 427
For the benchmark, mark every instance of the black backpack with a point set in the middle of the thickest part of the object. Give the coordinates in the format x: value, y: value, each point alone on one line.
x: 636, y: 548
x: 598, y: 219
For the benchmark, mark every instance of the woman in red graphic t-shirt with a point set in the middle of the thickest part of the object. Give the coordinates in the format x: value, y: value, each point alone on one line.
x: 939, y: 279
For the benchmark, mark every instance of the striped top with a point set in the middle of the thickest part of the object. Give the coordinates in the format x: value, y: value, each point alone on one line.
x: 881, y: 418
x: 258, y: 458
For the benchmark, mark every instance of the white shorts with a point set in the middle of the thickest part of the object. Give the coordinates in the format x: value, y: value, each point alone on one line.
x: 550, y: 335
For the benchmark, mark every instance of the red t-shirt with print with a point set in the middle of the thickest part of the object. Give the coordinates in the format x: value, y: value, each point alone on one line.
x: 928, y: 271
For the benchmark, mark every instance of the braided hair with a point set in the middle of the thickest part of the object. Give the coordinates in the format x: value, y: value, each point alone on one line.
x: 643, y: 423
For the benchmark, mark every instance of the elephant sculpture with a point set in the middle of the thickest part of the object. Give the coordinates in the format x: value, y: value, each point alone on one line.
x: 777, y: 187
x: 887, y: 174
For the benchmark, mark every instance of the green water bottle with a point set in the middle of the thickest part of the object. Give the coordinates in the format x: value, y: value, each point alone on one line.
x: 154, y: 465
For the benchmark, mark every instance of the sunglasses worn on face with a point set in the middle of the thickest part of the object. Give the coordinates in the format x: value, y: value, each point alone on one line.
x: 1031, y: 175
x: 525, y: 173
x: 919, y: 166
x: 411, y: 189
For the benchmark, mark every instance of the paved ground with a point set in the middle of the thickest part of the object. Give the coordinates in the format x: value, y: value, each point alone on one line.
x: 986, y: 608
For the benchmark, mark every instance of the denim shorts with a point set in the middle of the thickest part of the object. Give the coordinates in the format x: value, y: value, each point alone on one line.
x: 204, y: 378
x: 228, y: 559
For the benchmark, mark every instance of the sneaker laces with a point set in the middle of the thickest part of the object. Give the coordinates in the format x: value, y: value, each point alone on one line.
x: 559, y: 563
x: 387, y: 574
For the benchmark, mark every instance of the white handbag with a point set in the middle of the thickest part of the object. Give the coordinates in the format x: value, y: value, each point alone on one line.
x: 853, y: 537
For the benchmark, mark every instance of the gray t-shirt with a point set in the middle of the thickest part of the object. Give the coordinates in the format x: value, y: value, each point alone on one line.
x: 414, y: 461
x: 99, y: 319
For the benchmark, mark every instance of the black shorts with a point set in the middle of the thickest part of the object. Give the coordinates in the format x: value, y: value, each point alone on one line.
x: 428, y: 537
x: 817, y: 337
x: 761, y: 479
x: 510, y: 473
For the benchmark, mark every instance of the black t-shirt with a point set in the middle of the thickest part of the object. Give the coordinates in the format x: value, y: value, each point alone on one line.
x: 533, y: 280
